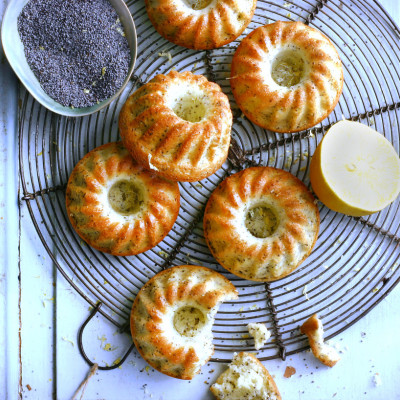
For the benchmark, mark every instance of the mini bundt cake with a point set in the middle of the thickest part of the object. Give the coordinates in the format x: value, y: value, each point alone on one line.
x: 179, y: 125
x: 286, y: 76
x: 172, y: 318
x: 245, y: 379
x: 200, y: 24
x: 118, y: 207
x: 261, y: 223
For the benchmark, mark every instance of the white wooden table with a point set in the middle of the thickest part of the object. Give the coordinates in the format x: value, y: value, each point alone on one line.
x: 40, y: 316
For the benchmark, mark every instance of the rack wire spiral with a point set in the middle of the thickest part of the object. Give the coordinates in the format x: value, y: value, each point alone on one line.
x: 355, y: 262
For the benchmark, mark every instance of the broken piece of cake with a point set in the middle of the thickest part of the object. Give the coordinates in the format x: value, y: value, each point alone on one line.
x: 245, y: 379
x: 260, y: 333
x: 314, y: 330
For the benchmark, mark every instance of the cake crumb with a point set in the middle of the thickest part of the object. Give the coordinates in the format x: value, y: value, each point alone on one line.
x: 69, y: 341
x: 260, y: 334
x: 305, y: 292
x: 102, y: 340
x: 166, y: 54
x: 289, y: 371
x: 377, y: 380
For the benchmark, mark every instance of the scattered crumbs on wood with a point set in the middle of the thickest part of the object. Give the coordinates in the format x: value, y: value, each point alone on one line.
x: 289, y: 371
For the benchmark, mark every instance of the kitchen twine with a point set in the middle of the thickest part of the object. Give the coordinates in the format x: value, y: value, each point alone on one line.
x: 83, y: 385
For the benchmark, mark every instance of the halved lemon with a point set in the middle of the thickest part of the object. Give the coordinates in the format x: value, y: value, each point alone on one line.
x: 355, y: 170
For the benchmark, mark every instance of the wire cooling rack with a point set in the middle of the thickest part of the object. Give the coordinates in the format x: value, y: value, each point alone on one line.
x: 355, y: 262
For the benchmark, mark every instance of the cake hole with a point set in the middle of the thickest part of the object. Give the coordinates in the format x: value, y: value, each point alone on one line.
x: 288, y: 68
x: 125, y: 197
x: 198, y: 4
x: 261, y: 221
x: 190, y: 107
x: 188, y: 321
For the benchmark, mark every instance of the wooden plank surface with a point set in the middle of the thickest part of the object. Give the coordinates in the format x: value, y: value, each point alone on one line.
x: 49, y: 314
x: 9, y: 231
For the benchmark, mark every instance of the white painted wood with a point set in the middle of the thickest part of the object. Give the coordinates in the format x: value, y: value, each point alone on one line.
x: 47, y: 331
x: 37, y: 313
x: 9, y: 268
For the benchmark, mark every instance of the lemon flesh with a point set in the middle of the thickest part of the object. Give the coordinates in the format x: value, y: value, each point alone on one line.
x: 355, y: 170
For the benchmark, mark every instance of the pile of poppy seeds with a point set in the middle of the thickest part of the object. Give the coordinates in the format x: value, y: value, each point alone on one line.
x: 77, y: 49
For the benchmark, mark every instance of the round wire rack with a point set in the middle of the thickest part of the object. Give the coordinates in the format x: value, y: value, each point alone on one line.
x: 355, y: 262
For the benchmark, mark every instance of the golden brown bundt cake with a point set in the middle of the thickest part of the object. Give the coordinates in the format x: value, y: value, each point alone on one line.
x: 261, y: 223
x: 286, y: 76
x: 245, y: 379
x: 118, y: 207
x: 179, y: 125
x: 200, y: 24
x: 172, y: 318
